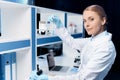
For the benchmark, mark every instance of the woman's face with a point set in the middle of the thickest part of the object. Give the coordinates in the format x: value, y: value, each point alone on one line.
x: 93, y: 23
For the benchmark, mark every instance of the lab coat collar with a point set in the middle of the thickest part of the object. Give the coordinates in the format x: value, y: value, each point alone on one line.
x: 104, y: 36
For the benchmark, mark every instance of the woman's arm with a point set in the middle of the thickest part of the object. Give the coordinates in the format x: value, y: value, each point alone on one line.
x: 77, y: 44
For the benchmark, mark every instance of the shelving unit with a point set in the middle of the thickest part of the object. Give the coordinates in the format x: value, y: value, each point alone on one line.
x: 16, y: 37
x: 66, y: 18
x: 19, y: 35
x: 13, y: 27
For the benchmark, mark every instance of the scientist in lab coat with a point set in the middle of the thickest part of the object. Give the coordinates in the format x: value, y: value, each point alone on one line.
x: 97, y: 52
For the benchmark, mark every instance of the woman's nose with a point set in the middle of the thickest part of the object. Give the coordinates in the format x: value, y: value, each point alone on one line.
x: 86, y: 24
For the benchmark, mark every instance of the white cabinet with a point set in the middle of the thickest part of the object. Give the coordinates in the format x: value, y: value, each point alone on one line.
x: 45, y: 29
x: 16, y: 37
x: 15, y: 22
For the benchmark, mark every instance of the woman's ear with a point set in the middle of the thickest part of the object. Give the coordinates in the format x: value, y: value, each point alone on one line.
x: 104, y: 21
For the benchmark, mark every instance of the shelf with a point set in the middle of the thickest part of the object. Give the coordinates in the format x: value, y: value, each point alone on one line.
x: 46, y: 40
x: 14, y: 45
x: 15, y: 21
x: 52, y: 39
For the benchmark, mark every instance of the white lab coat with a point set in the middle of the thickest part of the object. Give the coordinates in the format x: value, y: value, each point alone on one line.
x: 97, y: 55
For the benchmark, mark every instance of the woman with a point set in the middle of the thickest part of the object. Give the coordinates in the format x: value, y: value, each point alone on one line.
x: 97, y: 52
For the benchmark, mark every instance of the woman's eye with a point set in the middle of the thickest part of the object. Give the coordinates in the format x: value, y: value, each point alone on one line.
x: 91, y: 19
x: 84, y: 21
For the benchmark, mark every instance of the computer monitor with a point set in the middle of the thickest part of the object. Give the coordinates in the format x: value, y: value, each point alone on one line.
x: 56, y: 47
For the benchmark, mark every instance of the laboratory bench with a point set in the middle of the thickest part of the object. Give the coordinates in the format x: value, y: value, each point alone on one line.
x: 59, y: 61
